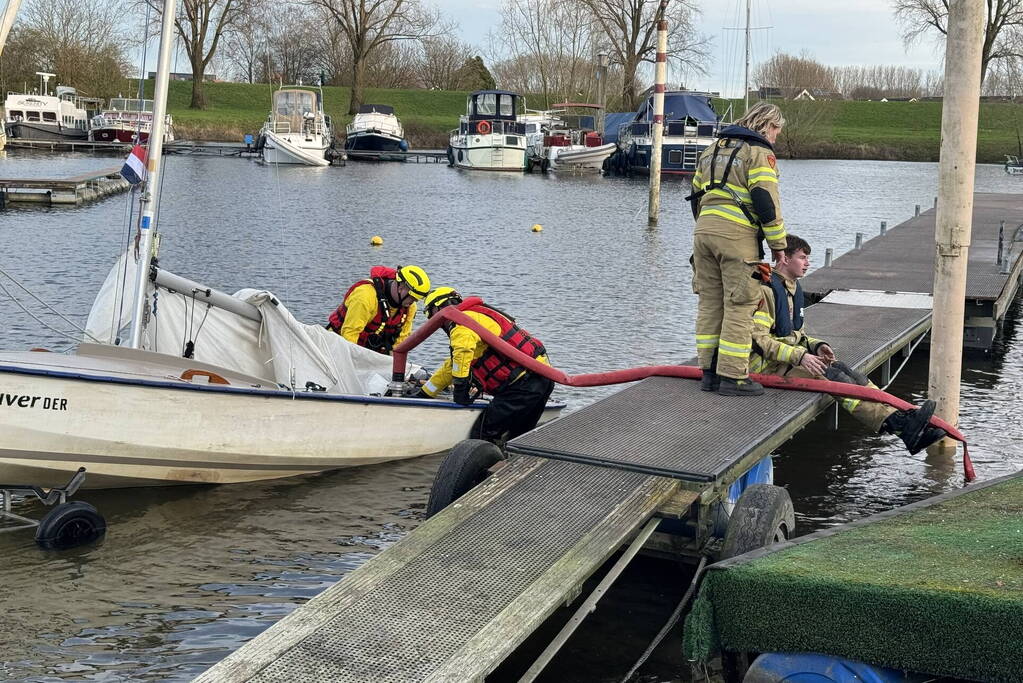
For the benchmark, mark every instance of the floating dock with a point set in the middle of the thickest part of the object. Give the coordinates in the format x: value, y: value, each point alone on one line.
x: 935, y: 587
x: 75, y: 189
x: 902, y: 260
x: 455, y: 597
x: 426, y: 156
x: 189, y: 147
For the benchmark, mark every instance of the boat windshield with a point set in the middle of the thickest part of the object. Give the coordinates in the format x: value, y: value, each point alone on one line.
x: 125, y: 104
x: 495, y: 104
x: 293, y: 103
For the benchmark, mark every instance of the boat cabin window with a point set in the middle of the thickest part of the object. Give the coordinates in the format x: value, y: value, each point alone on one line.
x: 32, y: 116
x: 15, y: 115
x: 293, y: 102
x: 531, y: 127
x: 495, y: 104
x: 50, y: 116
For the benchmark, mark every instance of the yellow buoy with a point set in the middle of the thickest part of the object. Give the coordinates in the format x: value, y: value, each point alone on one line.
x: 537, y: 228
x: 376, y: 240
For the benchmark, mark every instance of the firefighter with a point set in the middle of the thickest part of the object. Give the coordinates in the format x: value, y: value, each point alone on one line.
x: 735, y: 204
x: 377, y: 312
x: 780, y: 347
x: 519, y: 396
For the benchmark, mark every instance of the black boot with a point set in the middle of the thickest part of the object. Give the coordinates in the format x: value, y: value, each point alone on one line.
x: 840, y: 372
x: 740, y: 387
x: 912, y: 427
x: 710, y: 380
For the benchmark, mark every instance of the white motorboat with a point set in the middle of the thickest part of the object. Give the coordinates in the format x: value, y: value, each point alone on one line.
x: 128, y: 120
x: 296, y: 131
x: 489, y: 137
x: 41, y: 116
x: 374, y: 132
x: 178, y: 383
x: 566, y: 142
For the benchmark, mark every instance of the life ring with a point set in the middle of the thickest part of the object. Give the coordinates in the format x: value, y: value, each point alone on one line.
x: 483, y: 127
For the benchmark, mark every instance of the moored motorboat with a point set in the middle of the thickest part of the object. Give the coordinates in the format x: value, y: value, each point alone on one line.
x: 489, y: 137
x: 61, y: 116
x: 296, y: 130
x: 373, y: 132
x: 128, y: 120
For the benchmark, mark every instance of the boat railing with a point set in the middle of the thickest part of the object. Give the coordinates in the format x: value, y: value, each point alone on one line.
x: 678, y: 128
x: 498, y: 126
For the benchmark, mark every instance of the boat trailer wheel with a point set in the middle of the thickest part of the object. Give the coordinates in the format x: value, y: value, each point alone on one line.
x: 69, y: 525
x: 467, y: 465
x: 763, y: 516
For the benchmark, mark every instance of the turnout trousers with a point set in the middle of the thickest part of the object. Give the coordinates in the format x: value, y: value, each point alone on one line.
x: 869, y: 413
x: 723, y: 278
x: 514, y: 410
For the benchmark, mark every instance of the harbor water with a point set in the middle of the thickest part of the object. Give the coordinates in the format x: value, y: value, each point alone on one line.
x: 187, y: 574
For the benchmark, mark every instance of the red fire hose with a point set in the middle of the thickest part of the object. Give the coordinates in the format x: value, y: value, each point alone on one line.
x: 598, y: 379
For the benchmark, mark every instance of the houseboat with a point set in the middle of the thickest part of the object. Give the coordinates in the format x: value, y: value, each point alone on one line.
x: 61, y: 116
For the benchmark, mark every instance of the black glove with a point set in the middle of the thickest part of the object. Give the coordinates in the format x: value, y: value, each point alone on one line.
x: 420, y: 394
x: 461, y: 392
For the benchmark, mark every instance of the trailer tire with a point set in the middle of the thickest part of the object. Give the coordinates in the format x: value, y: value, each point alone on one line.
x: 69, y: 525
x: 763, y: 516
x: 464, y: 467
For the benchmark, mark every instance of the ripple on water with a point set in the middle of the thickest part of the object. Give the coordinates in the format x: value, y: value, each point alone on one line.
x: 186, y: 575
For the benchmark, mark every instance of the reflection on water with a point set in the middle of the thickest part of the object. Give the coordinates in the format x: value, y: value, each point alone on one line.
x: 187, y: 574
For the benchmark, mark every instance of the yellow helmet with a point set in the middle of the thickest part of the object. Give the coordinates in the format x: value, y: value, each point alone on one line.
x: 440, y: 297
x: 416, y: 279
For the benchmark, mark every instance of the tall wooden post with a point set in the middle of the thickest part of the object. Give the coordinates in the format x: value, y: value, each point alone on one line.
x: 657, y: 139
x: 953, y: 223
x: 601, y: 91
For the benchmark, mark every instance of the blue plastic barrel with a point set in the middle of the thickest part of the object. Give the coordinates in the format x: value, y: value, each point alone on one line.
x: 812, y: 668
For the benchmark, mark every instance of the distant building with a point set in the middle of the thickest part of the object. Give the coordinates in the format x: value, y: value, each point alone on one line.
x: 814, y: 94
x: 207, y: 78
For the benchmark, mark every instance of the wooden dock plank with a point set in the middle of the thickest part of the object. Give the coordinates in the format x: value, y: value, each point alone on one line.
x: 458, y: 594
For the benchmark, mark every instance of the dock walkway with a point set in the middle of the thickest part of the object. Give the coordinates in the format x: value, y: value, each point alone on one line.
x: 902, y: 260
x: 70, y: 190
x: 455, y: 597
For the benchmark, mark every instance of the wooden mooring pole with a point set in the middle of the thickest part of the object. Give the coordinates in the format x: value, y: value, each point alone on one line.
x: 657, y: 140
x: 953, y: 222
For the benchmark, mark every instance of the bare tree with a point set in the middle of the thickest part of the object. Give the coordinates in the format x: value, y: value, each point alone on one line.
x: 367, y: 25
x: 629, y: 28
x: 202, y: 24
x: 793, y: 74
x: 76, y: 39
x: 442, y: 62
x: 245, y: 48
x: 1003, y: 30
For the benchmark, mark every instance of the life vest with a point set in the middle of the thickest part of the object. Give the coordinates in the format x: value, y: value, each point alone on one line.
x: 492, y: 371
x: 380, y: 333
x: 785, y: 321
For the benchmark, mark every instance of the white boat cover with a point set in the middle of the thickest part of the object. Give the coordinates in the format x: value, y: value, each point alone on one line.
x: 280, y: 347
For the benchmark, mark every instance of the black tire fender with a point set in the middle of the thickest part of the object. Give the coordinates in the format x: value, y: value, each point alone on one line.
x: 763, y: 515
x: 464, y: 467
x: 69, y: 525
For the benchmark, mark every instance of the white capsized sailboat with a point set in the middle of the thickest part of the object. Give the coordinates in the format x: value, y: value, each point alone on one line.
x: 179, y: 383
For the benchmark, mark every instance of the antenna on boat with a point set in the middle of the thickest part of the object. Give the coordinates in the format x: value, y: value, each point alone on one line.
x: 151, y: 196
x: 44, y: 81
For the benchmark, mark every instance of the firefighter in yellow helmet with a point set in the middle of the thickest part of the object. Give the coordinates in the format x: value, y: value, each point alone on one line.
x: 378, y: 312
x: 735, y: 203
x: 519, y: 396
x: 782, y: 348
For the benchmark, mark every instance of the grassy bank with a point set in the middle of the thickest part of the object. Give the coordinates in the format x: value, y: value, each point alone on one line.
x: 908, y: 131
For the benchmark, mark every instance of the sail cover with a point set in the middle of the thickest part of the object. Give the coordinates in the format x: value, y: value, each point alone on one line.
x: 278, y: 347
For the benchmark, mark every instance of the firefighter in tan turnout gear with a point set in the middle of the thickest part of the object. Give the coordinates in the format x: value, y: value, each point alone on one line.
x: 780, y: 347
x: 735, y: 203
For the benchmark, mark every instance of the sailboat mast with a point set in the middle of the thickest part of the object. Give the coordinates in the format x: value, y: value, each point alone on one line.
x: 151, y: 197
x: 746, y: 89
x: 7, y: 21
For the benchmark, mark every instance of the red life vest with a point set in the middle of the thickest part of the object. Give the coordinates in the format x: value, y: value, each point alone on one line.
x: 492, y: 371
x: 380, y: 333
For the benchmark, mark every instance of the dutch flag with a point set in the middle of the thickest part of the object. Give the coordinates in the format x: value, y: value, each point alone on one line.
x: 134, y: 169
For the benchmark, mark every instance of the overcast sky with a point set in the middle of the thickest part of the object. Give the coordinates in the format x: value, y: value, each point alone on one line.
x: 862, y: 32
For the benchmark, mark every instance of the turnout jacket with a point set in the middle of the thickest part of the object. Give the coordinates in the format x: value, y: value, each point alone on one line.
x: 752, y: 180
x: 466, y: 348
x: 769, y: 347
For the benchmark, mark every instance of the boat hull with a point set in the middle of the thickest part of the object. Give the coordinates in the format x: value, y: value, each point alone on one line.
x: 579, y: 158
x: 295, y: 149
x: 119, y: 135
x: 488, y: 153
x: 129, y: 432
x: 372, y: 142
x: 42, y: 131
